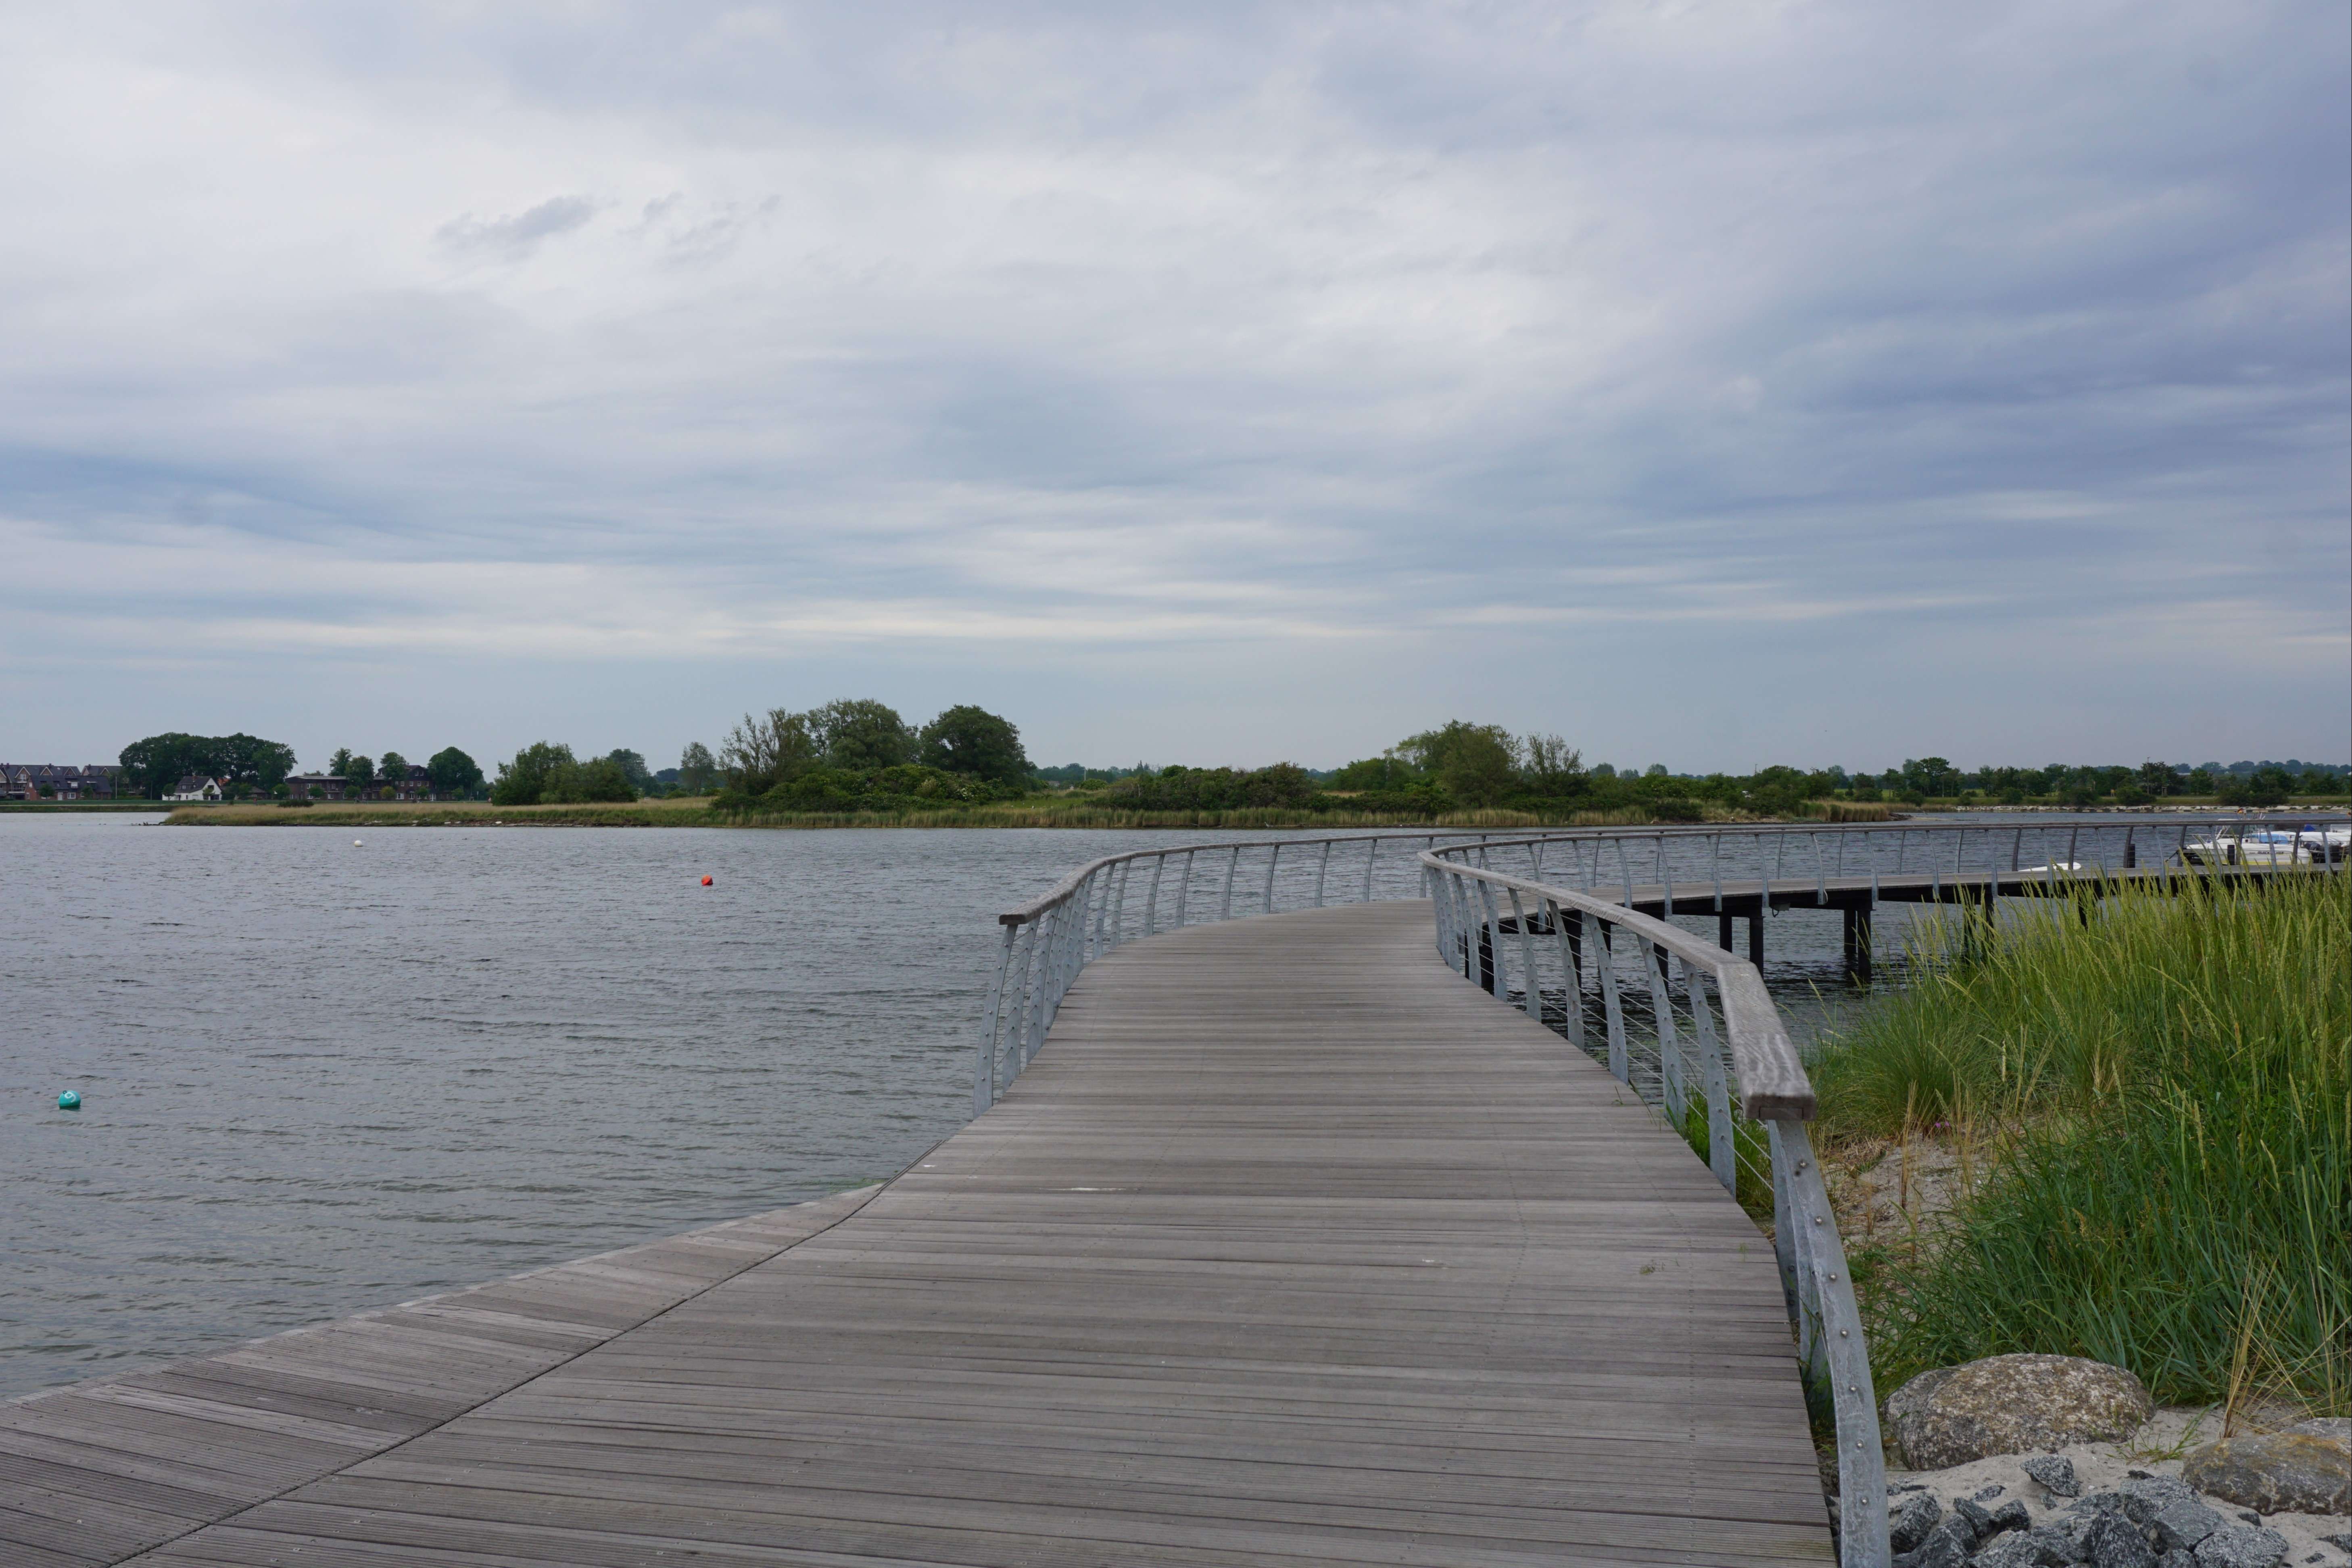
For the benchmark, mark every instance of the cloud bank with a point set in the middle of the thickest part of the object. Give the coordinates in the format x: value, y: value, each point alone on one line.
x: 1714, y: 385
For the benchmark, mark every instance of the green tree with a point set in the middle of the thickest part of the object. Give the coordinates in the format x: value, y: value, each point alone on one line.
x: 258, y: 764
x: 969, y: 740
x: 453, y: 773
x: 152, y: 766
x: 761, y: 753
x: 247, y: 762
x: 393, y: 769
x: 567, y: 783
x: 1477, y: 763
x: 633, y: 768
x: 350, y: 767
x: 698, y: 770
x: 523, y: 780
x: 1554, y: 769
x: 857, y: 734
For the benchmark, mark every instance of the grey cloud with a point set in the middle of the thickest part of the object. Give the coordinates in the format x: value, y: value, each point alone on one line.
x: 1821, y: 343
x: 515, y: 234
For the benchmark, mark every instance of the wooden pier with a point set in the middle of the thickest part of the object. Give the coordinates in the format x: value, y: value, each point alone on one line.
x: 1290, y: 1248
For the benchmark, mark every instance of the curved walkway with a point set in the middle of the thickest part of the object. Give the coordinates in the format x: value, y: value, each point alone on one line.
x: 1290, y: 1248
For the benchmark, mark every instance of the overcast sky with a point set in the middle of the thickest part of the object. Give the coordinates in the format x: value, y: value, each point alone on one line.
x: 1713, y: 384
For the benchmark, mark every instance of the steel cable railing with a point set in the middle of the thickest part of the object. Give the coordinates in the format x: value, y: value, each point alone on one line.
x: 1705, y: 1080
x: 1590, y: 966
x: 1100, y: 906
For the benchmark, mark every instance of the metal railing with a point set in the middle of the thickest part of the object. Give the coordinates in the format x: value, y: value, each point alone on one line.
x: 1591, y: 964
x: 1101, y: 905
x: 1693, y: 859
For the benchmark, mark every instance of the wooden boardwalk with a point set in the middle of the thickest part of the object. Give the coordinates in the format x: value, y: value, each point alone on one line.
x: 1291, y: 1248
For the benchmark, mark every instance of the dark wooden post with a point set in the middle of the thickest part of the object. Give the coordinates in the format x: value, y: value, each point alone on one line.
x: 1723, y: 933
x: 1756, y: 935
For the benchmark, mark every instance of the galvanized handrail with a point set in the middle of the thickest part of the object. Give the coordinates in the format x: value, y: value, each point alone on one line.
x: 1617, y: 858
x: 1589, y: 938
x: 1085, y: 915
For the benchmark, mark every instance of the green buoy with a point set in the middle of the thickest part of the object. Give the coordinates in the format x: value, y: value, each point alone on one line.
x: 69, y: 1101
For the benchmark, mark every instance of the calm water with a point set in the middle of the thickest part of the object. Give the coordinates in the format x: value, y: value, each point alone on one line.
x: 321, y: 1077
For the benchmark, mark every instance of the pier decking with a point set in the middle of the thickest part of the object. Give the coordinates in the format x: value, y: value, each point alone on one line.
x: 1291, y: 1248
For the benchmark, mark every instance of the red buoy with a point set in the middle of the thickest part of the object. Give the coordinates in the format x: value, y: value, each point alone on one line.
x: 705, y: 881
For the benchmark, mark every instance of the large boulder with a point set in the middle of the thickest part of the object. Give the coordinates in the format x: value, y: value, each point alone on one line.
x: 2282, y: 1472
x: 2012, y: 1404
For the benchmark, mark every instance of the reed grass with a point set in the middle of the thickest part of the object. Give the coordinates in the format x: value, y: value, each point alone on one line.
x: 2159, y: 1096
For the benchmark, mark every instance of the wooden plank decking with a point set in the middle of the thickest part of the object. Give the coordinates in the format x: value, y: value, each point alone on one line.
x: 1291, y: 1248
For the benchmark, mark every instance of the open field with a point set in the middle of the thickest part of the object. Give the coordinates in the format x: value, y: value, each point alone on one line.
x: 1074, y: 810
x: 2127, y: 1137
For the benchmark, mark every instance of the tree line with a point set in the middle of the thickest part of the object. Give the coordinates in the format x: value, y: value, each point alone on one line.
x: 859, y: 754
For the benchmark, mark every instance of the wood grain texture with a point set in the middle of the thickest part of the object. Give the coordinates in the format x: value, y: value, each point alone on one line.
x: 1291, y: 1248
x: 100, y: 1471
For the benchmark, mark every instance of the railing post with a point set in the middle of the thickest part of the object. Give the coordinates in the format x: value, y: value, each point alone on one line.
x: 1184, y: 889
x: 1613, y: 1008
x: 1322, y: 867
x: 1372, y: 853
x: 1272, y: 859
x: 1118, y: 906
x: 1527, y: 958
x: 1573, y: 1004
x: 1152, y: 897
x: 1102, y: 911
x: 983, y: 1077
x: 1670, y: 1050
x: 1722, y: 1151
x: 1233, y: 866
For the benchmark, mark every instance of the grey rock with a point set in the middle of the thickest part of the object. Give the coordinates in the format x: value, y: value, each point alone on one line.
x: 2012, y: 1404
x: 2115, y: 1541
x: 2181, y: 1523
x: 1908, y: 1521
x: 2053, y: 1473
x: 2144, y: 1495
x: 2342, y: 1542
x: 1979, y: 1519
x: 2282, y: 1472
x: 1986, y: 1494
x: 2010, y: 1515
x: 2021, y: 1551
x: 1949, y: 1545
x: 2058, y: 1544
x: 2336, y: 1428
x: 2241, y: 1546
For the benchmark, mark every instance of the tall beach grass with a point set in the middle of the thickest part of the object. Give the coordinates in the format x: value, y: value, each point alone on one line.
x: 2159, y: 1094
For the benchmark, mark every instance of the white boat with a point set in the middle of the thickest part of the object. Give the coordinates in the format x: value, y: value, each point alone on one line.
x: 2269, y: 846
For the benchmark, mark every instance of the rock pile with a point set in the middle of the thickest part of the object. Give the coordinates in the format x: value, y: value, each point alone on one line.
x: 2150, y: 1522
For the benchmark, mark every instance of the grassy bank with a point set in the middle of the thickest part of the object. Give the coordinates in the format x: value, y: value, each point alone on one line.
x: 1074, y: 810
x: 52, y: 808
x: 2146, y: 1124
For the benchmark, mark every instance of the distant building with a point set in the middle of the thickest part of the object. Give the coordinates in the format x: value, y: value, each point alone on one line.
x: 195, y: 788
x: 57, y: 781
x: 416, y: 784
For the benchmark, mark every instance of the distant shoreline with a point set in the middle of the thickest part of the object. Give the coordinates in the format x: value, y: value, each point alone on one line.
x: 1056, y: 812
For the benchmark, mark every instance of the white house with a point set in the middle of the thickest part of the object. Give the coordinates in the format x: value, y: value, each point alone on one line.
x: 195, y: 788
